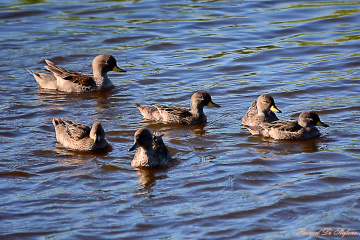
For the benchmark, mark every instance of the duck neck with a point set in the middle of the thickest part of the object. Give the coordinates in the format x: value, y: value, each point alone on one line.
x: 306, y: 125
x: 197, y: 110
x: 261, y: 113
x: 98, y: 73
x: 147, y: 147
x: 102, y: 80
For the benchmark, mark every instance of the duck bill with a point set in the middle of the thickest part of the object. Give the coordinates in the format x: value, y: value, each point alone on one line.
x: 135, y: 146
x: 212, y: 104
x: 321, y: 124
x: 117, y: 69
x: 97, y: 138
x: 275, y: 109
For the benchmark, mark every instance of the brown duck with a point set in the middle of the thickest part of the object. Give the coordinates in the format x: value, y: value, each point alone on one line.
x: 65, y: 80
x: 180, y: 115
x: 151, y: 152
x: 261, y: 111
x: 304, y: 128
x: 77, y: 136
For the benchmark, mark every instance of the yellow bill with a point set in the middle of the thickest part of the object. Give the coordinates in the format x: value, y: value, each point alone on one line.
x: 212, y: 104
x: 275, y: 109
x: 320, y: 123
x: 117, y: 69
x: 97, y: 138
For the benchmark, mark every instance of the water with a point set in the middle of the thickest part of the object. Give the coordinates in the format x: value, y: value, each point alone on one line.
x: 225, y: 183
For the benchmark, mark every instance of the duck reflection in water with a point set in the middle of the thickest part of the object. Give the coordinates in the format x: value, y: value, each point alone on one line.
x: 148, y: 178
x: 272, y: 148
x: 176, y: 129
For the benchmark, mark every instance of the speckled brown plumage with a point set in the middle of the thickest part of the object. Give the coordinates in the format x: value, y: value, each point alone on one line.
x: 69, y: 81
x: 304, y: 128
x: 77, y: 136
x: 180, y: 115
x: 259, y: 112
x: 151, y: 151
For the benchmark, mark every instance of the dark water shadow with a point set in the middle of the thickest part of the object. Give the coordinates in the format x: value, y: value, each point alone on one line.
x: 82, y: 155
x: 155, y: 126
x: 56, y: 103
x: 50, y: 94
x: 148, y: 178
x: 287, y: 147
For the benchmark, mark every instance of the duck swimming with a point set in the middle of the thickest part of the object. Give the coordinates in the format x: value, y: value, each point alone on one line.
x: 77, y: 136
x: 180, y: 115
x: 261, y: 111
x: 151, y: 152
x: 303, y: 128
x: 65, y: 80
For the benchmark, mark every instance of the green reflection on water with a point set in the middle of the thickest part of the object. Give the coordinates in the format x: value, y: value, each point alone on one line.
x: 308, y: 43
x: 348, y: 38
x: 32, y: 1
x: 332, y: 15
x: 312, y: 4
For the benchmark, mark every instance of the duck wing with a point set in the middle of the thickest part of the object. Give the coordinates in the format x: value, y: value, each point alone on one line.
x: 83, y: 79
x: 173, y: 111
x: 249, y: 117
x: 76, y: 131
x: 284, y: 126
x: 45, y: 80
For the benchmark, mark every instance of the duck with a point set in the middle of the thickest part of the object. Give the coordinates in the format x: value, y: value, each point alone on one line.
x: 79, y: 137
x: 65, y: 80
x: 261, y: 110
x: 303, y: 128
x: 151, y: 150
x: 177, y: 114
